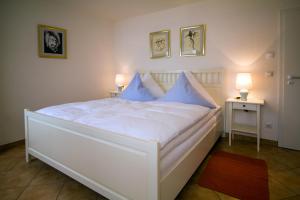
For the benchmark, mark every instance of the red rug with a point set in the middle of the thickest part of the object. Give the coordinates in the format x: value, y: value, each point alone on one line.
x: 238, y: 176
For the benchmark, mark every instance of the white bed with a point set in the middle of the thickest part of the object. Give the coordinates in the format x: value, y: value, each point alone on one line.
x: 106, y: 159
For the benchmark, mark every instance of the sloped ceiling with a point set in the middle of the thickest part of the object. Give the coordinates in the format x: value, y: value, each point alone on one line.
x: 116, y: 10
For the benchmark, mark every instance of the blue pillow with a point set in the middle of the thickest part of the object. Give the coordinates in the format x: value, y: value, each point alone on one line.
x: 136, y: 91
x: 184, y: 92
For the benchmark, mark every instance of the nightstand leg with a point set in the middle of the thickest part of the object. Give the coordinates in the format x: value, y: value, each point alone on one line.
x: 230, y: 121
x: 258, y: 127
x: 229, y: 137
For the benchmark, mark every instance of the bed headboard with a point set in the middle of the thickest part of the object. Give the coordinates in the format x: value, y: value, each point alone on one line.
x: 212, y: 81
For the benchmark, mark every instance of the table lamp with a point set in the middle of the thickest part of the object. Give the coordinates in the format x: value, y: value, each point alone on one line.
x: 120, y: 81
x: 243, y: 83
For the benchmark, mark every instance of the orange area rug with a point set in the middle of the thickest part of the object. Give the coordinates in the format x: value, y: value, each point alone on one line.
x: 238, y: 176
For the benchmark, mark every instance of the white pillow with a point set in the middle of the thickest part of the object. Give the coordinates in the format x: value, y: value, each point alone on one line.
x: 199, y: 88
x: 152, y: 86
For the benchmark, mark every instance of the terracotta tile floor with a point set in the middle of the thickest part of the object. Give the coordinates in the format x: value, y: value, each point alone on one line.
x: 37, y: 180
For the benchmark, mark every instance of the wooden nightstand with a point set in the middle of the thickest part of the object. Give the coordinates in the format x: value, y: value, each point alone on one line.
x: 114, y: 93
x: 251, y: 105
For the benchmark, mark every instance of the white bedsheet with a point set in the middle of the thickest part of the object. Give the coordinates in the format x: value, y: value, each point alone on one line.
x: 155, y: 120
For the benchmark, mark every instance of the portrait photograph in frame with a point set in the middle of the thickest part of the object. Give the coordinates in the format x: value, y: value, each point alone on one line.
x: 193, y: 40
x: 160, y: 44
x: 52, y: 42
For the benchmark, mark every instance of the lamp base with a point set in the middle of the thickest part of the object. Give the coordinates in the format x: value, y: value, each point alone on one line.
x: 244, y: 95
x: 120, y: 88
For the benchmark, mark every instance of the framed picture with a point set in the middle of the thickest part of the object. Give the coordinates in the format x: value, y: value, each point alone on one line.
x: 160, y: 44
x: 192, y: 40
x: 52, y: 42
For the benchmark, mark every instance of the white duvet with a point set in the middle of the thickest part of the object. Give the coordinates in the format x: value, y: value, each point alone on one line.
x: 155, y: 120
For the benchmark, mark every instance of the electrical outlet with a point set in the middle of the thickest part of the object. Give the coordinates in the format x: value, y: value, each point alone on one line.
x: 268, y: 125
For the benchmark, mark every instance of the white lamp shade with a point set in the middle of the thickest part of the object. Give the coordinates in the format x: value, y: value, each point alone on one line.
x: 243, y: 81
x: 120, y: 80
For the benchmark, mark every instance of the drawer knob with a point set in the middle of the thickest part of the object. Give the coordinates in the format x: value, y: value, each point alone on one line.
x: 244, y: 105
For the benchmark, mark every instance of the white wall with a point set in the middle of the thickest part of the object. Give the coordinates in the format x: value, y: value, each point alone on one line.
x: 239, y: 33
x: 28, y: 81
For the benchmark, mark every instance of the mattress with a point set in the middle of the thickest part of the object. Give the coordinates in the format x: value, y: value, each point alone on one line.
x: 173, y: 152
x: 211, y: 116
x: 176, y: 126
x: 155, y: 120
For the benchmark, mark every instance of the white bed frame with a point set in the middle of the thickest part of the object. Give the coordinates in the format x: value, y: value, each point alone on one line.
x: 116, y: 166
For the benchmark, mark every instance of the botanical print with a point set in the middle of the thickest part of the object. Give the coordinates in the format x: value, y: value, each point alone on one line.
x: 192, y: 41
x: 52, y: 42
x: 159, y: 44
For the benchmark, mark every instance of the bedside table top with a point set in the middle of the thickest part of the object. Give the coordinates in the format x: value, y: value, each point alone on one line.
x: 115, y: 92
x: 250, y: 101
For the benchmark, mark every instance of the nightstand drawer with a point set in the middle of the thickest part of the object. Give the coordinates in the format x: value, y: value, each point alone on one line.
x: 114, y: 94
x: 244, y: 106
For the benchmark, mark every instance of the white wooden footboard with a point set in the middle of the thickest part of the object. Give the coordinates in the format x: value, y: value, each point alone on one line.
x: 115, y: 166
